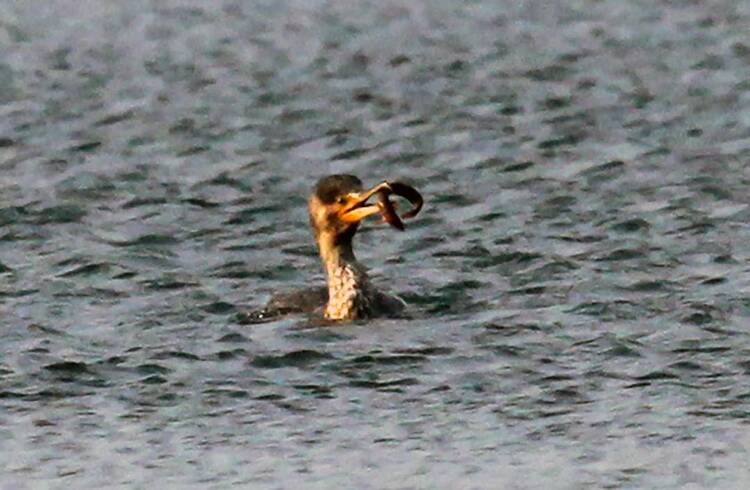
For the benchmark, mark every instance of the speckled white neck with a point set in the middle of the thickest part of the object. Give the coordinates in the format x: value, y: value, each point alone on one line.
x: 349, y: 291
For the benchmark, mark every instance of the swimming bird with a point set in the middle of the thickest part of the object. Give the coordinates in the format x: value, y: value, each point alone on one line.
x: 337, y: 206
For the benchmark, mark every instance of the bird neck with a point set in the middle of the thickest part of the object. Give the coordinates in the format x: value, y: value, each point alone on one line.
x: 349, y: 288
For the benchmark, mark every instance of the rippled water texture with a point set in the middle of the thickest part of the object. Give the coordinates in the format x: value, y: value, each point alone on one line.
x: 578, y: 280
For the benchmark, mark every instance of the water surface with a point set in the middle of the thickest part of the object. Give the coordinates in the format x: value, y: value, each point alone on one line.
x: 577, y: 280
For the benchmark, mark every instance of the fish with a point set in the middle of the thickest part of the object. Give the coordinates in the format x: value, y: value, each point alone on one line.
x: 388, y: 208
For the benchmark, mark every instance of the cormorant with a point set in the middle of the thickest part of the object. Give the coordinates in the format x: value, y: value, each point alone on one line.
x: 336, y: 207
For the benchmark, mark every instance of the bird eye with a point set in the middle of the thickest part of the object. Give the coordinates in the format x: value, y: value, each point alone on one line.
x: 341, y: 200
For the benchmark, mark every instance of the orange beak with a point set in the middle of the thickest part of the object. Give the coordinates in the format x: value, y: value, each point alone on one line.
x: 355, y: 209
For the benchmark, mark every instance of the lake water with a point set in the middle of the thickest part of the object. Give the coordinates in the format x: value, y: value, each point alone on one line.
x: 577, y: 281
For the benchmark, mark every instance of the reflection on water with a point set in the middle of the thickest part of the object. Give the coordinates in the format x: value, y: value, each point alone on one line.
x: 576, y: 279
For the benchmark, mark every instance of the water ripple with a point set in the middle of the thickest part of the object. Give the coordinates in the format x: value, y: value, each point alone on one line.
x: 576, y: 280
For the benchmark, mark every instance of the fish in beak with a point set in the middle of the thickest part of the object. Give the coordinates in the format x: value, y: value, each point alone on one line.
x: 355, y: 207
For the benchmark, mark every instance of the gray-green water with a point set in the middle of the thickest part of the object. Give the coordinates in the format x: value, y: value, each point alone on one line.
x: 578, y: 279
